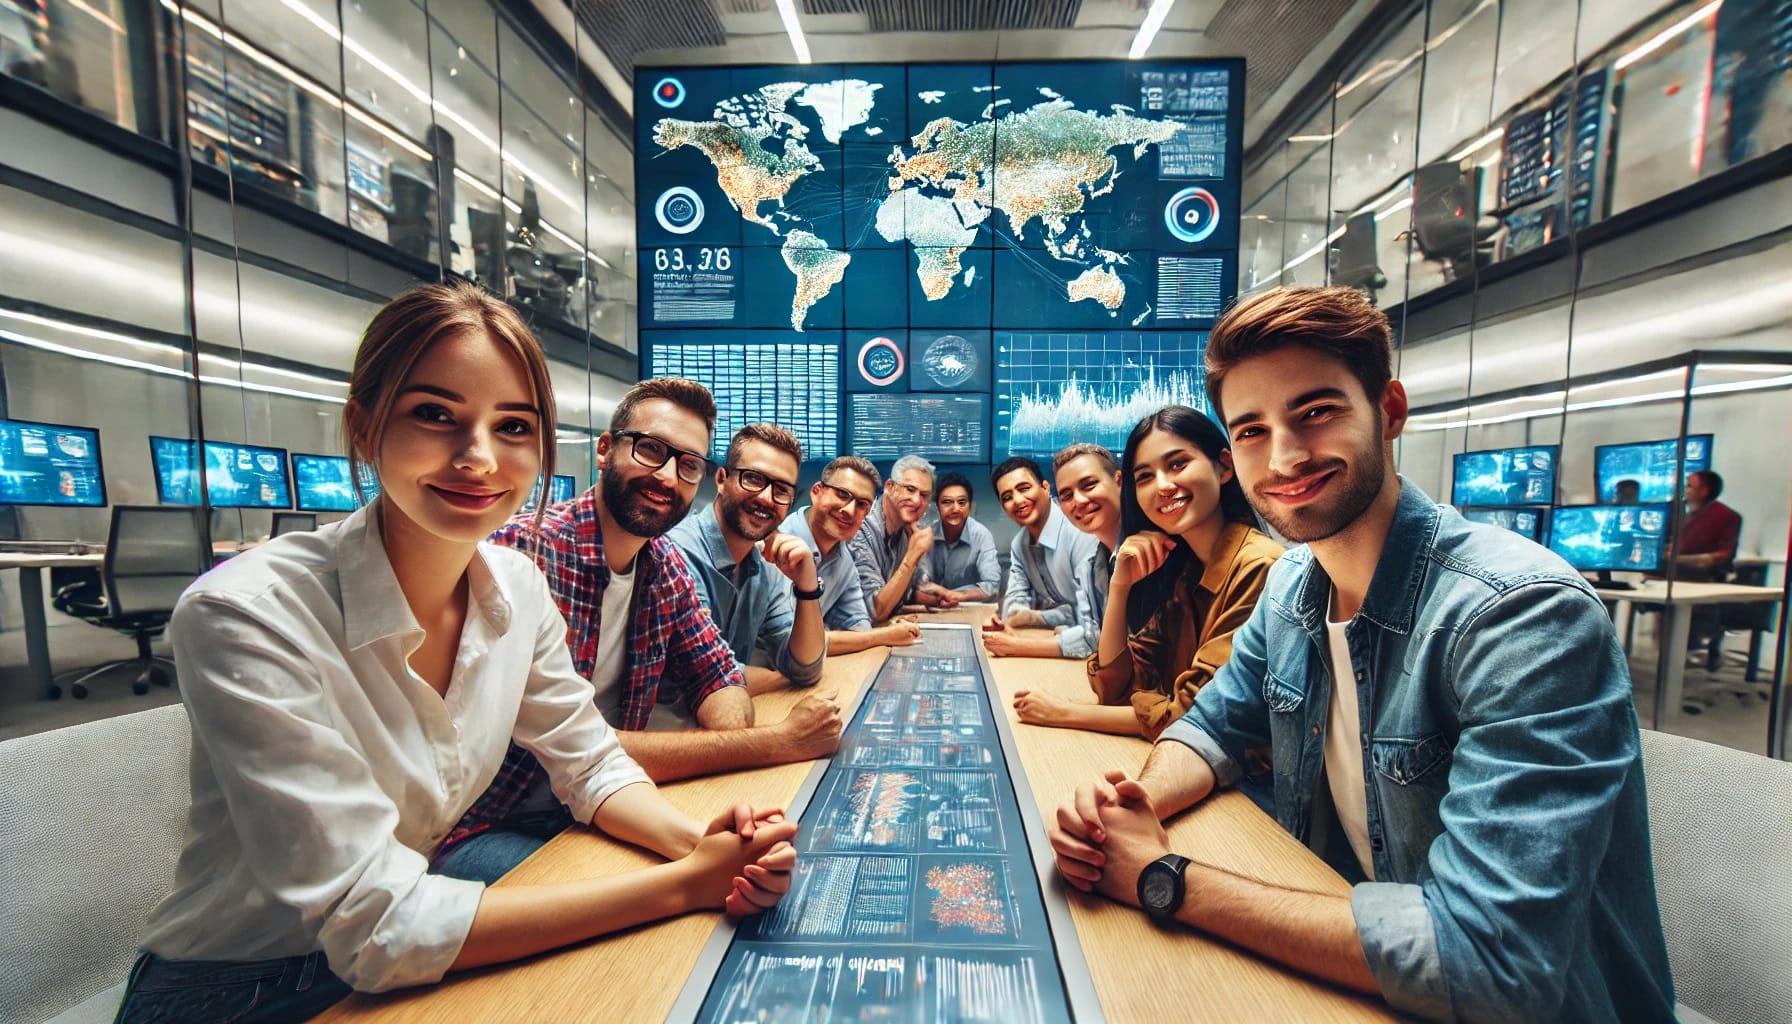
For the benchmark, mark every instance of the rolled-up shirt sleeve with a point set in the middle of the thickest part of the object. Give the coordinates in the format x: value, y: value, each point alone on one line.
x: 315, y: 829
x: 559, y: 723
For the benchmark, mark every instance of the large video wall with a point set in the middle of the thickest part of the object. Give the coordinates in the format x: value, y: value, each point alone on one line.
x: 952, y: 259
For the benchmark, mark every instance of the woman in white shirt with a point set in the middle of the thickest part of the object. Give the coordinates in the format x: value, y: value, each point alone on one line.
x: 353, y: 690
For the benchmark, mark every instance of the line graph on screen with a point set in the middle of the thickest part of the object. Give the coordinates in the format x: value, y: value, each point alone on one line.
x: 1053, y: 388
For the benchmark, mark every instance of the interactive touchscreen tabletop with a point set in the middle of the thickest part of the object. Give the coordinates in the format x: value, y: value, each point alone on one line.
x: 917, y: 892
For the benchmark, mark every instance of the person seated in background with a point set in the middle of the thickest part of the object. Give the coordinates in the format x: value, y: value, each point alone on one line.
x: 1087, y: 478
x: 891, y: 544
x: 838, y: 504
x: 962, y: 566
x: 351, y: 690
x: 760, y: 586
x: 1185, y: 579
x: 1446, y: 705
x: 1042, y: 567
x: 1710, y: 531
x: 636, y: 630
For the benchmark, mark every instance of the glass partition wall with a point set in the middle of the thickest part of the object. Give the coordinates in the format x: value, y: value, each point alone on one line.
x: 1575, y: 215
x: 202, y: 203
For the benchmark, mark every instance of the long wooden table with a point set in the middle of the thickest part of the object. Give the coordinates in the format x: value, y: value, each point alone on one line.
x: 1141, y: 972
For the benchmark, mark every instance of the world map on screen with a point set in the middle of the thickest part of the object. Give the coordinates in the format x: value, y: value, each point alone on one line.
x: 1037, y: 167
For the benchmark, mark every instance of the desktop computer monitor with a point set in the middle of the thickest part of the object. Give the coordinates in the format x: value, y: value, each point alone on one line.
x: 1505, y: 477
x: 1611, y: 537
x: 236, y: 475
x: 564, y: 488
x: 50, y: 464
x: 323, y: 483
x: 1526, y: 522
x: 1650, y: 464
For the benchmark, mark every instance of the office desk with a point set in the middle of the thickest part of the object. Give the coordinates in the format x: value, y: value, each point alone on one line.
x: 31, y: 566
x: 1141, y: 973
x: 1677, y: 626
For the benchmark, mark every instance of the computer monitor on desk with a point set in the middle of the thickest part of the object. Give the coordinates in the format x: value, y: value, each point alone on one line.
x: 50, y: 464
x: 1626, y: 538
x: 236, y: 475
x: 1505, y: 477
x: 1651, y: 464
x: 323, y: 483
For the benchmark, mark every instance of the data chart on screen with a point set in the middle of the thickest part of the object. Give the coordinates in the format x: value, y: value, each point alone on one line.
x: 1053, y: 388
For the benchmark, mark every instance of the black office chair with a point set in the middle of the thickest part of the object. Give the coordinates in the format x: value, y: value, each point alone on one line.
x: 1446, y: 220
x: 152, y: 555
x: 1756, y: 617
x: 294, y: 522
x: 1354, y: 262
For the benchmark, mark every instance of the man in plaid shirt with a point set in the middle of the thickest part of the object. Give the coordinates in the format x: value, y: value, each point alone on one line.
x: 636, y: 629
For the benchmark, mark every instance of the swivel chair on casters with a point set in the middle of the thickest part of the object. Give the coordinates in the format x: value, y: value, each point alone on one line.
x: 152, y: 555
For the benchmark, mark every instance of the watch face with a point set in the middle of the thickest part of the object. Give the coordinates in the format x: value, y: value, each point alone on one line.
x: 1160, y: 886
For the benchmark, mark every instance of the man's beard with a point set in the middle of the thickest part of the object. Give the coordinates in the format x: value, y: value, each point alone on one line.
x: 1360, y: 482
x: 619, y: 498
x: 735, y: 514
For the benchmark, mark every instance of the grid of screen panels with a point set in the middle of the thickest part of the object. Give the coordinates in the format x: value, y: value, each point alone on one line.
x: 976, y: 244
x: 915, y: 896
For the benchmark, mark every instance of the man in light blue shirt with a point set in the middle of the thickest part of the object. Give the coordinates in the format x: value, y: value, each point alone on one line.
x: 962, y: 565
x: 1042, y: 569
x: 760, y: 586
x: 840, y: 500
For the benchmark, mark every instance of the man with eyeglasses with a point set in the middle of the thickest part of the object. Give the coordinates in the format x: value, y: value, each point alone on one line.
x: 732, y: 549
x: 962, y: 565
x: 637, y: 629
x: 839, y: 502
x: 891, y: 545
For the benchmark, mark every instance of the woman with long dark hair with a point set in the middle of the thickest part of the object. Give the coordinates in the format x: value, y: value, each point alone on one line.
x: 1186, y: 576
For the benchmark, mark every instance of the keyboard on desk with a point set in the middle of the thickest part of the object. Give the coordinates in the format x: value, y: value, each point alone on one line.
x: 1616, y: 585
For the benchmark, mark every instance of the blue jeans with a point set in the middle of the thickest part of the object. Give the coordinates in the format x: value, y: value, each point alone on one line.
x: 289, y: 989
x: 301, y: 987
x: 491, y: 854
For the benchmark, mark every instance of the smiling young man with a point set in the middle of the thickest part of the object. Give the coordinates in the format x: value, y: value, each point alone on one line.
x: 891, y: 544
x: 1042, y: 566
x: 1446, y: 707
x: 636, y: 629
x: 839, y: 502
x: 962, y: 565
x: 761, y: 586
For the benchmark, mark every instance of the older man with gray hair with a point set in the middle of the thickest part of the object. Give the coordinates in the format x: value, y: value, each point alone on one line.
x: 891, y: 545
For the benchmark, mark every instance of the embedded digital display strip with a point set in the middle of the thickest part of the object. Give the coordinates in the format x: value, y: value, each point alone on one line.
x: 917, y: 894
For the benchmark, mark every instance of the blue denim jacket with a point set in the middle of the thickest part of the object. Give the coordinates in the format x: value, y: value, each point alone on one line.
x: 1506, y: 810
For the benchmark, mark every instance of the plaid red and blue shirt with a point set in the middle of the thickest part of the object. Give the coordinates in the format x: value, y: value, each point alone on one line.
x: 675, y: 652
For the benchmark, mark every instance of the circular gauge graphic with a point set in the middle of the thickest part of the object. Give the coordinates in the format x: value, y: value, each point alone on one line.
x: 679, y: 210
x: 881, y: 362
x: 950, y: 361
x: 1192, y: 214
x: 669, y: 93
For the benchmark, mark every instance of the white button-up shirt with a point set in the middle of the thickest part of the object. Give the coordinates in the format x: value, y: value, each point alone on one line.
x: 325, y: 772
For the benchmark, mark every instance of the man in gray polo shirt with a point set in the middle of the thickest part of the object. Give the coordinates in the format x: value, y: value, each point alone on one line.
x: 891, y: 545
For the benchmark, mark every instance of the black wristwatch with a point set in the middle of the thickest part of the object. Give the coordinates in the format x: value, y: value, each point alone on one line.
x: 807, y: 595
x: 1161, y: 887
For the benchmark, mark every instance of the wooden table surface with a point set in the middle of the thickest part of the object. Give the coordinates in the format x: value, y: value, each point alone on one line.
x: 1141, y: 973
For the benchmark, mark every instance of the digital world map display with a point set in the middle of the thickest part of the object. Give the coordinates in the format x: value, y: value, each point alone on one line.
x: 1050, y: 241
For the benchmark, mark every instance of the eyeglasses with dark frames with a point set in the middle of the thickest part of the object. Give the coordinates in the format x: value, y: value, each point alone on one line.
x: 851, y: 500
x: 755, y: 481
x: 653, y: 453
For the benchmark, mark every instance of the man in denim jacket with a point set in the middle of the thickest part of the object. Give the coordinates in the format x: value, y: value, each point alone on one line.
x: 1478, y: 770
